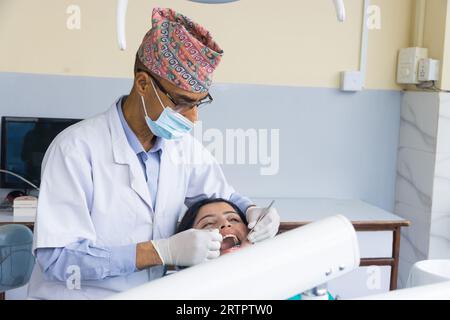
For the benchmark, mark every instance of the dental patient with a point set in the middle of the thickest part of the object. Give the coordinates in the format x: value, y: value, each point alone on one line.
x: 222, y: 215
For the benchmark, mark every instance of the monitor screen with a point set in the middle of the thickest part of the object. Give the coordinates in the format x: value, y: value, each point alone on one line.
x: 23, y: 145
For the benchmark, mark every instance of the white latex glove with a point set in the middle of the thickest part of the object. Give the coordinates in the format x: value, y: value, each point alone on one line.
x: 266, y: 228
x: 189, y: 247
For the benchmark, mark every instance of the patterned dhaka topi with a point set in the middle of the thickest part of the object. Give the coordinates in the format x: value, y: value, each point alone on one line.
x: 180, y: 51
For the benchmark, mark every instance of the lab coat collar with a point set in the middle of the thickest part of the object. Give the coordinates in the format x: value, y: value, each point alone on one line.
x: 131, y: 136
x: 124, y: 154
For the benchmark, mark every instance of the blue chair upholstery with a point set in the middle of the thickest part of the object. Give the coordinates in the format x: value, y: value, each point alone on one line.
x: 16, y: 259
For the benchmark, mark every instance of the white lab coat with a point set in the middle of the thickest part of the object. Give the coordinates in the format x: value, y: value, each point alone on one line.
x: 93, y: 187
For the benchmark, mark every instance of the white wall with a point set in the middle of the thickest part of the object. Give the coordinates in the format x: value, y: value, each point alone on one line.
x: 283, y: 42
x: 331, y: 144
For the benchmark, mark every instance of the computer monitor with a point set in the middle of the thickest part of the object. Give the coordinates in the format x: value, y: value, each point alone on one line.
x: 24, y: 142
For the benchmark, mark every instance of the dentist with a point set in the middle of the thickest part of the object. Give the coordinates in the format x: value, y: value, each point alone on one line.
x: 113, y: 186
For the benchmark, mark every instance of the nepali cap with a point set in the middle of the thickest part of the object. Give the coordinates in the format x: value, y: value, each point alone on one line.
x: 180, y: 50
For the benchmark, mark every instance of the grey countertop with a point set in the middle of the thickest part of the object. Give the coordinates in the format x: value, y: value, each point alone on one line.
x: 291, y: 210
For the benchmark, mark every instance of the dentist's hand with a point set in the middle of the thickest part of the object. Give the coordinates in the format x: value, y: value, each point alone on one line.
x: 266, y: 228
x: 189, y: 247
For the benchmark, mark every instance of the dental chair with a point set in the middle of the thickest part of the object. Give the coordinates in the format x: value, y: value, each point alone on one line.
x: 16, y: 259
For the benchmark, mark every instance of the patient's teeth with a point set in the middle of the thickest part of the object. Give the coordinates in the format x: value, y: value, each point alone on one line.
x: 235, y: 239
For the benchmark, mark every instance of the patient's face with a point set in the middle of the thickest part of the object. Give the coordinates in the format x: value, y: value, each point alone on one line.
x: 222, y: 216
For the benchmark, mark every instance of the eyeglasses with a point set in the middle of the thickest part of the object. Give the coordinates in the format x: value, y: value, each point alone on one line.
x: 180, y: 106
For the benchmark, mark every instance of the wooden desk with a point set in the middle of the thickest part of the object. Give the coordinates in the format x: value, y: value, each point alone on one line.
x: 296, y: 212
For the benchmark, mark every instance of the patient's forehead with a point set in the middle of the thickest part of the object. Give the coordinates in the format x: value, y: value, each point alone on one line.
x: 216, y: 208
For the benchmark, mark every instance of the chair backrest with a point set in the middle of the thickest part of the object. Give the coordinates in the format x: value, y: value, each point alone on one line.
x: 16, y: 258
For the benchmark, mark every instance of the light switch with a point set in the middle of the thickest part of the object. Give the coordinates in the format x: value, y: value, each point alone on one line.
x: 351, y: 81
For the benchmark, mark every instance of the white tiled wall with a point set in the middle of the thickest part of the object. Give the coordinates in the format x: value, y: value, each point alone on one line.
x: 419, y: 120
x: 423, y: 178
x: 440, y: 218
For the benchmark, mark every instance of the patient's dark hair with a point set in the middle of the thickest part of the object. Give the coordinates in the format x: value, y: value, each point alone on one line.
x: 189, y: 217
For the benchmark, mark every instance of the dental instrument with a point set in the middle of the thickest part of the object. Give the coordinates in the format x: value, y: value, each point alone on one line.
x: 266, y: 210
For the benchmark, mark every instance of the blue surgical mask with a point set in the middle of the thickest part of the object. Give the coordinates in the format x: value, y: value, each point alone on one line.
x: 170, y: 125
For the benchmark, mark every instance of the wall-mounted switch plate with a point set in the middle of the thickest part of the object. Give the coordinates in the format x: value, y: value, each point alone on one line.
x: 408, y: 64
x: 428, y: 70
x: 351, y: 81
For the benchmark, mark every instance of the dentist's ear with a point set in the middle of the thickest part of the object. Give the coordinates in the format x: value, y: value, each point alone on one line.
x: 120, y: 24
x: 141, y: 82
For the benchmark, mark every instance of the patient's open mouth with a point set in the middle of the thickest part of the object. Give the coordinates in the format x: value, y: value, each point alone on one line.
x: 230, y: 241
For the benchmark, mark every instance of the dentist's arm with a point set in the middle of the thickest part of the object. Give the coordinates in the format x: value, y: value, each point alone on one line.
x: 186, y: 248
x: 64, y: 228
x: 96, y: 262
x: 147, y: 256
